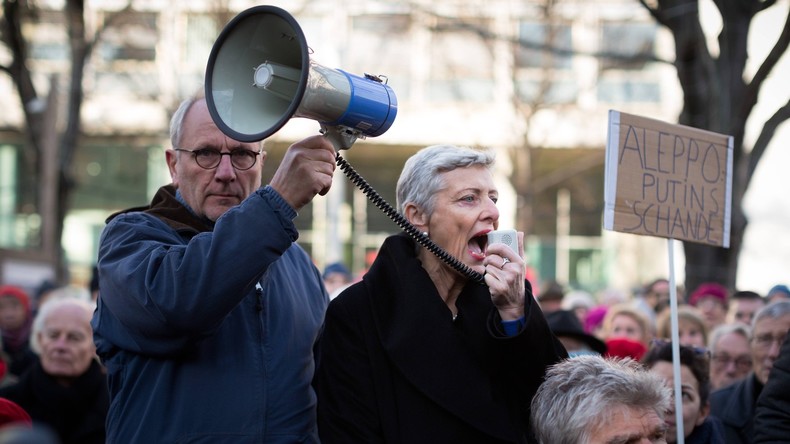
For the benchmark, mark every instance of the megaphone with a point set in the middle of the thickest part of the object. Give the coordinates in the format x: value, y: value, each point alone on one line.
x: 259, y: 76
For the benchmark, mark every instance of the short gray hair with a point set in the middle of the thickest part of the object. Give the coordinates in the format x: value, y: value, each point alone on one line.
x: 580, y: 393
x: 177, y: 121
x: 420, y: 179
x: 49, y: 307
x: 773, y: 310
x: 725, y: 329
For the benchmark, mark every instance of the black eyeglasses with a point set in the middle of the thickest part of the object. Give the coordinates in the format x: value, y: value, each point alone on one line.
x: 209, y: 158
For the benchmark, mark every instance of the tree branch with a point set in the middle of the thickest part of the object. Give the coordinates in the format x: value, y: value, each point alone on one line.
x: 767, y: 133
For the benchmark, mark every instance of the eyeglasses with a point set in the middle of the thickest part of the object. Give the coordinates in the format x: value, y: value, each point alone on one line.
x: 209, y: 158
x: 742, y: 363
x: 766, y: 340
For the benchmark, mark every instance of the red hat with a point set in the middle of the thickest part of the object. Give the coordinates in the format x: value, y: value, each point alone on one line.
x: 709, y: 289
x: 12, y: 414
x: 18, y: 293
x: 621, y: 347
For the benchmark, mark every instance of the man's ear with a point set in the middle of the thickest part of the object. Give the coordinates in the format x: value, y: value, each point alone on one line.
x: 170, y: 157
x: 416, y: 216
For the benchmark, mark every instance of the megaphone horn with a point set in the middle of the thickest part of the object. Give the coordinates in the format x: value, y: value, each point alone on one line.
x: 259, y: 76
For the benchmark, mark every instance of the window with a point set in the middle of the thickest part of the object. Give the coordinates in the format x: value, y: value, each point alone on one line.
x: 132, y: 35
x: 629, y: 45
x: 462, y: 62
x: 544, y: 46
x: 381, y: 47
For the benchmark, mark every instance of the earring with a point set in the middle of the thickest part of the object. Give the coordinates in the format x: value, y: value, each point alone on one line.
x: 425, y: 233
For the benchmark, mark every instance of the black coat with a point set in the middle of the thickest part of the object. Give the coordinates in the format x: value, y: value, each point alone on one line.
x: 75, y: 413
x: 393, y: 366
x: 734, y: 406
x: 772, y: 415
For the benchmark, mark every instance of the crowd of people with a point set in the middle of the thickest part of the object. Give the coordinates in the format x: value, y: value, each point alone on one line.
x: 207, y: 322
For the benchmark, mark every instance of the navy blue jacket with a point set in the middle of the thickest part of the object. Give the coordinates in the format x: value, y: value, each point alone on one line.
x: 207, y: 330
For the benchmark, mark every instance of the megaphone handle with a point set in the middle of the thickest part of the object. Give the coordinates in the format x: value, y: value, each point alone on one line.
x: 342, y: 137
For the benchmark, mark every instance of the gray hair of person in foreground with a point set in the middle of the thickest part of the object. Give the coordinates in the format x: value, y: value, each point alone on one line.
x: 421, y: 177
x: 580, y: 394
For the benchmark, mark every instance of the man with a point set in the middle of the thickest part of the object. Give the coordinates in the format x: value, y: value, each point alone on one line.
x: 735, y: 404
x: 208, y: 309
x: 567, y: 328
x: 590, y: 399
x: 731, y: 356
x: 743, y: 306
x: 772, y: 414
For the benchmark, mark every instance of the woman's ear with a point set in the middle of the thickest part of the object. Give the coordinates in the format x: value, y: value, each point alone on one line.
x: 703, y: 413
x: 416, y: 217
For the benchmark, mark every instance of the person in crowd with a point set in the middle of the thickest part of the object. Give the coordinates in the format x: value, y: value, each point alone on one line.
x: 653, y: 299
x: 593, y: 322
x: 626, y: 331
x: 16, y: 321
x: 67, y: 389
x: 712, y: 300
x: 550, y: 299
x: 592, y: 399
x: 208, y: 309
x: 731, y: 355
x: 743, y: 306
x: 419, y: 352
x: 692, y: 330
x: 336, y: 277
x: 566, y: 327
x: 698, y: 426
x: 93, y: 284
x: 735, y: 404
x: 580, y: 302
x: 772, y: 414
x: 778, y: 292
x: 13, y: 415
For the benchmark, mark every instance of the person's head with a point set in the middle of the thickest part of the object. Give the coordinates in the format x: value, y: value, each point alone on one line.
x: 14, y: 308
x: 656, y: 294
x: 209, y: 181
x: 692, y: 329
x: 590, y: 399
x: 711, y: 299
x: 769, y: 330
x: 449, y: 193
x: 335, y: 276
x: 63, y: 338
x: 731, y: 357
x: 566, y: 327
x: 550, y: 299
x: 624, y: 320
x: 778, y: 293
x: 743, y: 306
x: 578, y: 301
x: 694, y: 383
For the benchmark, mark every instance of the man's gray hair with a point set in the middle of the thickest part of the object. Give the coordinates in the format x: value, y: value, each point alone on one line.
x: 420, y: 179
x: 52, y: 305
x: 725, y: 329
x: 177, y: 121
x: 773, y: 310
x: 581, y: 393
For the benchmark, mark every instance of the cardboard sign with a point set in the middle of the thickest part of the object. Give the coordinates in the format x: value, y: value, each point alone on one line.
x: 667, y: 180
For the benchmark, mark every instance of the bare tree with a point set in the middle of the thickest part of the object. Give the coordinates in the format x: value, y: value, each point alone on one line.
x: 719, y: 96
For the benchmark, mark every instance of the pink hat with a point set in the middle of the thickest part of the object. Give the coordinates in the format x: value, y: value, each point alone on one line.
x: 709, y: 289
x: 12, y: 413
x: 18, y: 293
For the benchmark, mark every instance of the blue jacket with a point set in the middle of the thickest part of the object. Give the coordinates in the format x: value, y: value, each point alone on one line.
x: 207, y: 331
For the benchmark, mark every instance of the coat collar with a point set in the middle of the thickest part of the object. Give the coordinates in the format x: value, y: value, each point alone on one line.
x: 444, y: 359
x: 167, y: 207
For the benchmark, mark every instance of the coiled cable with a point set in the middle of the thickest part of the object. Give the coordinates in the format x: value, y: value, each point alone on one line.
x: 404, y: 224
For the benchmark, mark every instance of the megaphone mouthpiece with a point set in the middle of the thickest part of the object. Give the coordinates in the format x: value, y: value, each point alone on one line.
x: 285, y: 83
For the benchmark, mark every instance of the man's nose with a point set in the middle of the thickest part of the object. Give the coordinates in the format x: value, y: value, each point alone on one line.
x: 225, y: 171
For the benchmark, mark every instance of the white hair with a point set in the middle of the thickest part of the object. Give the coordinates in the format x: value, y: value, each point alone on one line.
x: 51, y: 306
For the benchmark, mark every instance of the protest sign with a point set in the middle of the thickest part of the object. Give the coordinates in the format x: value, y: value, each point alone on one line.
x: 667, y: 180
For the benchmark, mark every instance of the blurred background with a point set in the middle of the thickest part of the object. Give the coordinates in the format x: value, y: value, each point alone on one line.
x: 87, y: 88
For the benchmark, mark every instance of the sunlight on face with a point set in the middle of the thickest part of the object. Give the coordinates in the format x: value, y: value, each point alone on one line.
x: 464, y: 211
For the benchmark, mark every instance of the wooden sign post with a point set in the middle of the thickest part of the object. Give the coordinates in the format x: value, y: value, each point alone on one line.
x: 671, y: 181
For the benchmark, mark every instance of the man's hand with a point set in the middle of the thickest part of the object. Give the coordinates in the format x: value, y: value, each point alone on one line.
x: 306, y: 170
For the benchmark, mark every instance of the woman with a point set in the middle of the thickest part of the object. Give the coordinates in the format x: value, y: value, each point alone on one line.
x: 626, y: 331
x: 692, y: 330
x: 66, y: 390
x: 417, y: 352
x: 16, y: 319
x: 698, y: 426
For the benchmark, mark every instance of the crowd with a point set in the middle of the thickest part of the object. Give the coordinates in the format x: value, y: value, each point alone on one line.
x: 207, y: 322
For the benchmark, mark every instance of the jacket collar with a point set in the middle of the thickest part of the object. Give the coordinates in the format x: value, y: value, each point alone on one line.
x: 441, y: 357
x: 167, y: 207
